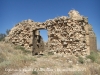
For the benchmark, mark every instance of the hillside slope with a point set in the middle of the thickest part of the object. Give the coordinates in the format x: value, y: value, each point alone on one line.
x: 15, y: 60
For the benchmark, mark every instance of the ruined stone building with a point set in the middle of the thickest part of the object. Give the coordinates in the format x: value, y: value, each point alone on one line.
x: 71, y: 35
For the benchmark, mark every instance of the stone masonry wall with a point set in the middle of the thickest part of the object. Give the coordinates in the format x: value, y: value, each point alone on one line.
x: 69, y: 35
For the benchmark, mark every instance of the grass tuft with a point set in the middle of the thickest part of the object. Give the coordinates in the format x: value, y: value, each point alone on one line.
x: 22, y: 49
x: 50, y: 53
x: 81, y: 60
x: 35, y: 73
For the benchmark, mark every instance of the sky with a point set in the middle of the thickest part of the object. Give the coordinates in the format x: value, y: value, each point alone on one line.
x: 15, y: 11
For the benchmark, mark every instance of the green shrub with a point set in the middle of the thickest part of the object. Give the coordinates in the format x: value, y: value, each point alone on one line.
x: 50, y: 53
x: 35, y: 72
x: 78, y: 73
x: 5, y: 63
x: 80, y: 60
x: 19, y: 47
x: 93, y: 56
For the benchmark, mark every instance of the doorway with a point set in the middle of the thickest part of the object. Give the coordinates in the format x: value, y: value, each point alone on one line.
x: 39, y: 40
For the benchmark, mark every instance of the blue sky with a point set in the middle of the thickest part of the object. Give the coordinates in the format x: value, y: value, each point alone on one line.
x: 15, y: 11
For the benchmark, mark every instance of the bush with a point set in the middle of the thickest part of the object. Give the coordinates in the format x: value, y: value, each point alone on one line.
x: 80, y: 60
x: 35, y: 72
x: 93, y: 56
x: 50, y: 53
x: 19, y: 47
x: 78, y: 73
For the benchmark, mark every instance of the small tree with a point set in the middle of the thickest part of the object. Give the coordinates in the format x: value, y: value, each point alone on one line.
x: 7, y: 31
x: 2, y: 36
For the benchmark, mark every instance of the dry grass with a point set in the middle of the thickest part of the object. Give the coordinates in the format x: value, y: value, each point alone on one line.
x: 55, y: 65
x: 18, y: 58
x: 13, y: 58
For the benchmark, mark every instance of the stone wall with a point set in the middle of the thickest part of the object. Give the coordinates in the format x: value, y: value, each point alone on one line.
x: 69, y: 35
